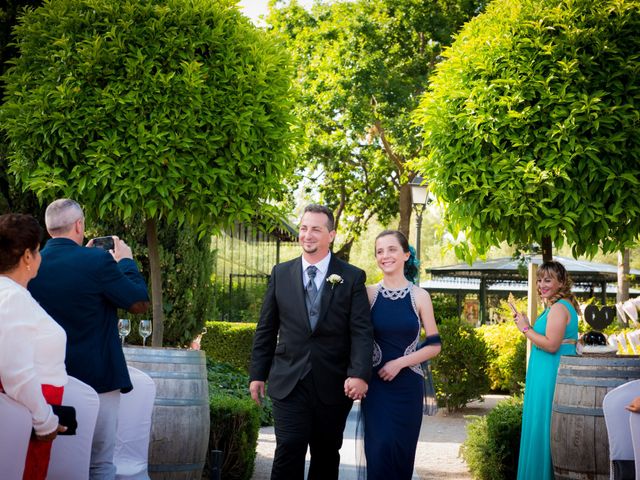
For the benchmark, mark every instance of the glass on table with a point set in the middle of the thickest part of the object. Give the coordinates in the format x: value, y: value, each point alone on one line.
x: 124, y: 328
x: 145, y: 330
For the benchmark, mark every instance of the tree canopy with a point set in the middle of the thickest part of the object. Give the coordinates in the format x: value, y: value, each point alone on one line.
x: 174, y: 109
x: 361, y: 67
x: 532, y: 125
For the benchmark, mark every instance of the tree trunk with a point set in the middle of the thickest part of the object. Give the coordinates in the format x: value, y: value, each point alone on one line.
x: 404, y: 225
x: 156, y: 283
x: 547, y: 249
x: 623, y: 277
x: 344, y: 252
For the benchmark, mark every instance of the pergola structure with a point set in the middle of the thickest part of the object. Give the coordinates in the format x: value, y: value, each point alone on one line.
x: 503, y: 275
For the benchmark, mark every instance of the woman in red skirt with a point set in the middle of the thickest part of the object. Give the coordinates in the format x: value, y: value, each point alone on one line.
x: 32, y: 344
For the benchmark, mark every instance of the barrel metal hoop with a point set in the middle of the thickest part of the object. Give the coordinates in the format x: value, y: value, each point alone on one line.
x: 184, y: 467
x: 166, y: 359
x: 179, y: 375
x: 603, y: 382
x: 589, y: 411
x: 599, y: 361
x: 177, y: 402
x: 572, y: 372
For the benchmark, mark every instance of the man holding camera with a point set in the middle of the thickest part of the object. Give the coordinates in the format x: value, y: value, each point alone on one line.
x: 82, y: 288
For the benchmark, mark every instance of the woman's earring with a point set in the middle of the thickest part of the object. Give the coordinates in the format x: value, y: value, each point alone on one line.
x: 28, y: 268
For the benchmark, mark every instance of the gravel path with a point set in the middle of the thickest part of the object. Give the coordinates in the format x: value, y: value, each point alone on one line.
x: 437, y: 456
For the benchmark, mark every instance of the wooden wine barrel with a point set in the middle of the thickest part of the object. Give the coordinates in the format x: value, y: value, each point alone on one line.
x: 180, y: 421
x: 579, y: 443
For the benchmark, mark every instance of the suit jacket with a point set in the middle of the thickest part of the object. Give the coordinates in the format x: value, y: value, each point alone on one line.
x: 340, y: 346
x: 82, y: 288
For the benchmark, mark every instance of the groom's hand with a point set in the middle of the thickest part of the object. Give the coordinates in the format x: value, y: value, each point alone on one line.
x: 257, y: 391
x: 355, y: 388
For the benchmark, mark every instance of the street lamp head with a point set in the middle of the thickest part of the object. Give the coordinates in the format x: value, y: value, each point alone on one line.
x: 419, y: 192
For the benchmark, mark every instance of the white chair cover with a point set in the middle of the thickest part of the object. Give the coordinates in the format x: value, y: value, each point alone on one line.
x: 616, y: 416
x: 134, y: 428
x: 634, y: 426
x: 71, y: 454
x: 15, y: 430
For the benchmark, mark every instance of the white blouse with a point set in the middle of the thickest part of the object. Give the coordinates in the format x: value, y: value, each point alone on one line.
x: 32, y: 351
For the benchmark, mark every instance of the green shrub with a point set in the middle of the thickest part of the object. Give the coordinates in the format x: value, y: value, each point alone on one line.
x: 507, y: 355
x: 234, y: 430
x: 492, y: 444
x: 227, y: 380
x: 229, y: 342
x: 460, y: 371
x: 241, y: 304
x: 444, y: 306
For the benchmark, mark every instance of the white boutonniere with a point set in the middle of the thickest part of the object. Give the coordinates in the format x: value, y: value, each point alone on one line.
x: 334, y: 279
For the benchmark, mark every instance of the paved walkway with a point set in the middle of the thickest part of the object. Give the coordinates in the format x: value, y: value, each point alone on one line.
x: 437, y: 456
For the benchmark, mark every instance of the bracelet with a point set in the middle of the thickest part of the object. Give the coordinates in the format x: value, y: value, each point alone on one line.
x: 525, y: 329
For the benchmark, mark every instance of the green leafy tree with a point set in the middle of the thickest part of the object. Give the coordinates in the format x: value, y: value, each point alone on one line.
x: 361, y: 69
x: 12, y: 199
x: 532, y: 129
x: 178, y: 110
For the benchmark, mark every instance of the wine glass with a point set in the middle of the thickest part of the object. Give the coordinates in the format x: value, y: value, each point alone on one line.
x: 124, y: 328
x: 145, y: 330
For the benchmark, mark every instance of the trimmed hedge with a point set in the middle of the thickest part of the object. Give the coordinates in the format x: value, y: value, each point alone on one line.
x: 493, y: 442
x: 235, y: 424
x: 227, y: 380
x: 460, y: 370
x: 507, y: 356
x: 229, y: 342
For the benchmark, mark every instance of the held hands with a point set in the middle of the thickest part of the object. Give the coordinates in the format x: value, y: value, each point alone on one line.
x: 355, y: 388
x: 390, y: 369
x: 256, y: 388
x: 51, y: 436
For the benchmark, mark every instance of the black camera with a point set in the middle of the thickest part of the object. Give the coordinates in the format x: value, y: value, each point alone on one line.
x: 106, y: 243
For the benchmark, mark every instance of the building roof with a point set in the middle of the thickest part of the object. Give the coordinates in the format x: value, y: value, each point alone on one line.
x: 472, y: 285
x: 582, y: 272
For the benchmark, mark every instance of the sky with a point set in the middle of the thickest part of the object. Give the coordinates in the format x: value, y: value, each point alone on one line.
x: 254, y: 8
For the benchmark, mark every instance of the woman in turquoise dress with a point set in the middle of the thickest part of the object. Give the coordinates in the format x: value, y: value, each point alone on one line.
x: 554, y: 333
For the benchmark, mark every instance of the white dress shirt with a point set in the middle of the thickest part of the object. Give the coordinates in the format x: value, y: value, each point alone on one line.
x: 32, y: 352
x: 322, y: 266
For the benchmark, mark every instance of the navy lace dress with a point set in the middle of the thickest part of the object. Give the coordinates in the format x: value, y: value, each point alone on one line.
x: 392, y: 411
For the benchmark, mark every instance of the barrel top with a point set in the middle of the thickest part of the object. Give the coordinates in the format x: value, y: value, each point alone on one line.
x: 600, y: 360
x: 152, y: 354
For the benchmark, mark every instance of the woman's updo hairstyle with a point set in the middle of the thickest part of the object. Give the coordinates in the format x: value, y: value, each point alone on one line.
x: 18, y: 233
x: 412, y: 265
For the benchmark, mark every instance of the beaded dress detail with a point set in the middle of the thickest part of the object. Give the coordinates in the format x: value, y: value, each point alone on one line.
x: 398, y: 295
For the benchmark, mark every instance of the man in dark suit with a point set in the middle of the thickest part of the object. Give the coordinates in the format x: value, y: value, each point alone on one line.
x: 82, y: 288
x: 314, y: 342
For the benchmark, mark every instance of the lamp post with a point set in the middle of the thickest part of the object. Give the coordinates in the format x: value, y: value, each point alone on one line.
x: 419, y: 200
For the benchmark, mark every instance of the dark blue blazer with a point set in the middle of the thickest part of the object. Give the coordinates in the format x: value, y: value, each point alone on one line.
x: 82, y: 288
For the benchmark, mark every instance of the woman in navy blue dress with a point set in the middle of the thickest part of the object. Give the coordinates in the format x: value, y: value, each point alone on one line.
x: 392, y: 410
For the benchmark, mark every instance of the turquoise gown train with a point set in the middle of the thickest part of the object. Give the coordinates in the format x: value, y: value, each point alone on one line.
x: 392, y: 410
x: 535, y: 443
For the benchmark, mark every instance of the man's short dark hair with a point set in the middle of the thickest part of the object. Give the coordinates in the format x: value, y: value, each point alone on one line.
x: 316, y: 208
